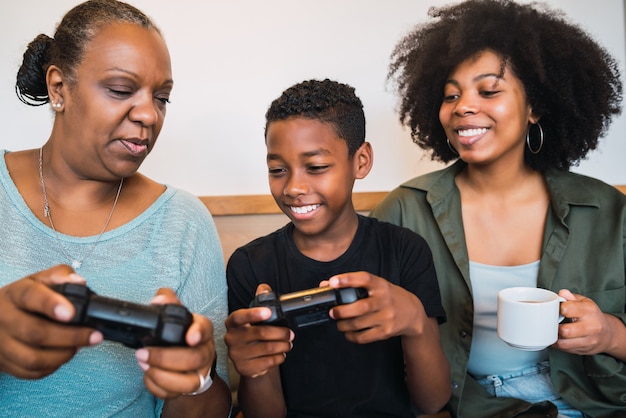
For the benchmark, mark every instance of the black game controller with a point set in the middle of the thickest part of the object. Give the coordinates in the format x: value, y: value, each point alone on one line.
x: 307, y: 307
x: 129, y: 323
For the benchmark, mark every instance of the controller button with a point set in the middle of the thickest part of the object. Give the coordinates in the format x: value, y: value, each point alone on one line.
x: 175, y: 311
x: 173, y: 333
x: 77, y: 290
x: 266, y: 297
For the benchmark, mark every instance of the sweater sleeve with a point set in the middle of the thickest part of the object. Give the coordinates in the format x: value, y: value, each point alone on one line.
x: 203, y: 286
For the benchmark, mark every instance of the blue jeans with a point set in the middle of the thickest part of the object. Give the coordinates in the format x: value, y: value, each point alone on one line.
x: 532, y: 385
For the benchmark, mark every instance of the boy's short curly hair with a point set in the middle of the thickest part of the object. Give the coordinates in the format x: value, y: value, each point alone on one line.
x: 570, y: 81
x: 327, y: 101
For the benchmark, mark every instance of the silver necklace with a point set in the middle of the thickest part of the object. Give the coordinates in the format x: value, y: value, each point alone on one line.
x: 75, y: 263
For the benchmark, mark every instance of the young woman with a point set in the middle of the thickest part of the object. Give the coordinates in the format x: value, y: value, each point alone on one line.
x: 516, y: 95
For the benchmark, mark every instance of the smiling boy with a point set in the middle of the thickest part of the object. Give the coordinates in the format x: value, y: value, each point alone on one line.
x: 382, y: 356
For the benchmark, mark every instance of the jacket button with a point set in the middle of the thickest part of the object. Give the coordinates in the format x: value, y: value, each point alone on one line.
x: 463, y: 334
x: 623, y: 398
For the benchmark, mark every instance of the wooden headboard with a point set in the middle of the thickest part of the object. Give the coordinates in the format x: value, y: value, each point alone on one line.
x: 264, y: 204
x: 240, y: 219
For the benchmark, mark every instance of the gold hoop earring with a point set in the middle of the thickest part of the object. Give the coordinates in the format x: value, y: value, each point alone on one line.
x: 530, y: 148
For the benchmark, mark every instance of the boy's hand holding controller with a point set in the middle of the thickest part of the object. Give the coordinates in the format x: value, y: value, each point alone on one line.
x: 389, y: 310
x: 255, y: 349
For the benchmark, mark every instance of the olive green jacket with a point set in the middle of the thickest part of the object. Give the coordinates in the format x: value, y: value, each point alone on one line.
x: 584, y: 250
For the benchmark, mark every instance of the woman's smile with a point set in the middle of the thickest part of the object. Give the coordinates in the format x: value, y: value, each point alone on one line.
x: 471, y: 136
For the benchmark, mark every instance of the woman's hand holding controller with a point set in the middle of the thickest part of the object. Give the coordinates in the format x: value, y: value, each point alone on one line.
x: 172, y: 371
x: 31, y: 346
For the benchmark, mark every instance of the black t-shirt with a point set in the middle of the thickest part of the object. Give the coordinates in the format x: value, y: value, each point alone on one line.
x: 324, y: 375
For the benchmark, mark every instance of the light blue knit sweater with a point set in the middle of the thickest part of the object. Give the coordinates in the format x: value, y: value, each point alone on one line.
x: 172, y: 244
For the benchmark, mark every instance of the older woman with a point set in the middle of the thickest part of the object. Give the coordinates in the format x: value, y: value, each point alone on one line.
x: 76, y: 209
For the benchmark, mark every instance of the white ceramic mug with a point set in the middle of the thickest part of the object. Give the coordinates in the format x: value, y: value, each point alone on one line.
x: 528, y: 317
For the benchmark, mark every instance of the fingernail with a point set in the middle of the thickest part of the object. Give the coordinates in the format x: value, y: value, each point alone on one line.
x: 159, y: 299
x: 144, y: 366
x: 266, y: 313
x: 291, y: 336
x: 142, y: 355
x: 194, y: 338
x: 95, y: 338
x: 334, y: 281
x: 62, y: 312
x: 75, y: 278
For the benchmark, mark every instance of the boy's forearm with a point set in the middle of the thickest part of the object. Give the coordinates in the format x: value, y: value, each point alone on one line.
x: 427, y: 369
x: 262, y: 397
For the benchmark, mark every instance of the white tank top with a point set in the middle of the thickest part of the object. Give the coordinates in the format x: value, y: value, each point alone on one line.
x: 490, y: 355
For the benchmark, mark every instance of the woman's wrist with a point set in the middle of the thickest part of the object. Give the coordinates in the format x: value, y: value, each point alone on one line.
x: 206, y: 381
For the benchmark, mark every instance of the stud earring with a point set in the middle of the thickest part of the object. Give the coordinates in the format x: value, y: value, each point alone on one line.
x: 56, y: 105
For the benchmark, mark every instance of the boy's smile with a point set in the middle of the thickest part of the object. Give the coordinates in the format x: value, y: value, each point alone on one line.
x: 311, y: 178
x: 303, y: 210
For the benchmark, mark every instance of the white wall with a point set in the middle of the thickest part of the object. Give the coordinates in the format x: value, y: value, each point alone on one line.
x: 232, y: 58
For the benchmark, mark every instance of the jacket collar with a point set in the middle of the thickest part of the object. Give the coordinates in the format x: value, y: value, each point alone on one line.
x: 565, y: 188
x: 437, y: 184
